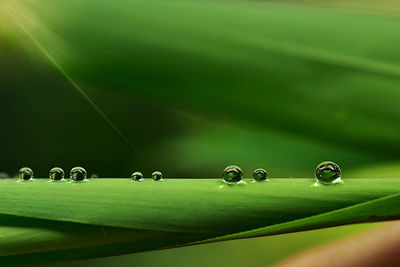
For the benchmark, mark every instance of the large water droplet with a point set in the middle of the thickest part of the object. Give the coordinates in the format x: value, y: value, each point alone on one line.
x: 137, y: 176
x: 260, y: 174
x: 232, y: 174
x: 56, y: 173
x: 78, y: 174
x: 25, y: 173
x: 328, y: 172
x: 157, y: 176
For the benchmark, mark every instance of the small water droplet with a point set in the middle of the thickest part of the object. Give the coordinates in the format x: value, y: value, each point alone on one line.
x: 157, y: 176
x: 328, y: 172
x: 260, y: 174
x: 94, y: 176
x: 78, y: 174
x: 56, y: 173
x: 25, y: 173
x: 232, y: 174
x: 137, y: 176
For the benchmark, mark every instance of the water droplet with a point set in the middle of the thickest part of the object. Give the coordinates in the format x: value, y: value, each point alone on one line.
x: 25, y: 173
x: 94, y: 176
x: 157, y: 176
x: 56, y: 174
x: 78, y: 174
x: 328, y: 172
x: 137, y: 176
x: 260, y: 174
x: 232, y: 174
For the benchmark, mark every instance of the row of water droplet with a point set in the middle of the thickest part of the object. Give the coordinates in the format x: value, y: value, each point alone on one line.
x: 56, y: 173
x: 326, y: 172
x: 78, y: 174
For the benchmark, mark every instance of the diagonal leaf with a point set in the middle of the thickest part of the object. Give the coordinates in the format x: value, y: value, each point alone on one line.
x: 240, y: 59
x: 381, y: 209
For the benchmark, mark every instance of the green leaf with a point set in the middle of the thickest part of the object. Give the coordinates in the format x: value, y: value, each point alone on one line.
x: 295, y: 69
x: 45, y: 220
x: 335, y: 72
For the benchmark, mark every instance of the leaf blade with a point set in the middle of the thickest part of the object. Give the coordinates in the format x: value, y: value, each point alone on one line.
x: 355, y: 201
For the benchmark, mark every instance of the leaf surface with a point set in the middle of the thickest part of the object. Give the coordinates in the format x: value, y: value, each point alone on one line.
x: 44, y: 220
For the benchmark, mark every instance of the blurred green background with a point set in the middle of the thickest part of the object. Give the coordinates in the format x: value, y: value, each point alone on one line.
x: 195, y: 86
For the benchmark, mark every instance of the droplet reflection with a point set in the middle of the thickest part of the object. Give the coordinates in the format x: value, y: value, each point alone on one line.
x: 157, y: 176
x: 78, y: 174
x: 232, y: 174
x: 260, y: 175
x: 328, y: 172
x: 137, y: 176
x: 25, y: 173
x: 56, y: 174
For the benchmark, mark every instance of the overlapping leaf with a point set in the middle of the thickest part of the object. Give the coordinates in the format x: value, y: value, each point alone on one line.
x: 47, y: 221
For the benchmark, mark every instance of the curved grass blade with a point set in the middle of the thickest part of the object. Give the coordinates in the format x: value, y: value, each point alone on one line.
x: 200, y: 205
x: 42, y: 220
x: 386, y: 208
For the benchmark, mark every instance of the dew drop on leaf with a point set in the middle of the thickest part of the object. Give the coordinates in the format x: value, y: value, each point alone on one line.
x: 157, y: 176
x: 25, y: 173
x: 260, y: 175
x: 78, y: 174
x: 232, y: 174
x: 328, y: 172
x: 138, y: 176
x: 56, y: 173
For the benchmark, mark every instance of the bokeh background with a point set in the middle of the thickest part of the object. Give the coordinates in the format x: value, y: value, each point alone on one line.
x: 188, y: 87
